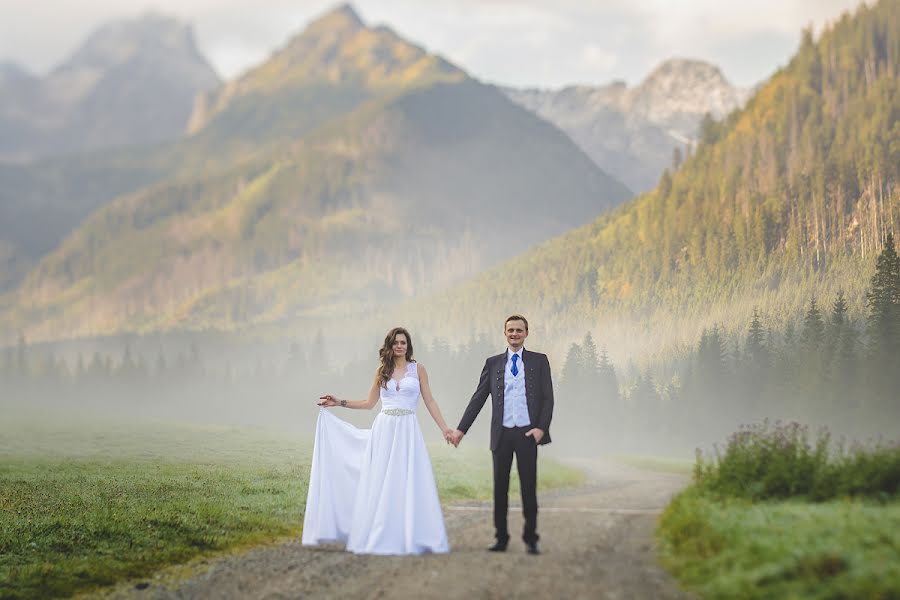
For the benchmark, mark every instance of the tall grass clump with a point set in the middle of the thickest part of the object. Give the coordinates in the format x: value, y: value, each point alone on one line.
x: 781, y: 460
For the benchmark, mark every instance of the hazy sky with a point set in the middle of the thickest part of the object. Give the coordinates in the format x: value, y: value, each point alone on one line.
x: 544, y: 43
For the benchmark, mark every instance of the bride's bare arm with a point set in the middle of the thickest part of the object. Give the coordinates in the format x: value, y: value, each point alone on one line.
x: 430, y: 403
x: 368, y: 403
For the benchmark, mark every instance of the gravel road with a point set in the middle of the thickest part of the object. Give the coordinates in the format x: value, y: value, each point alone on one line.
x: 596, y: 542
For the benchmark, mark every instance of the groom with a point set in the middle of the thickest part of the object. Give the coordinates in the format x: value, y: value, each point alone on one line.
x: 520, y: 386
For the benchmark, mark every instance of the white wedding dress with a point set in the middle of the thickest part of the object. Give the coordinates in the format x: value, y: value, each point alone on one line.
x: 374, y: 489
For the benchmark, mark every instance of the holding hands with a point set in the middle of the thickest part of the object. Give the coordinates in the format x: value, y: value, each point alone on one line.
x: 453, y: 436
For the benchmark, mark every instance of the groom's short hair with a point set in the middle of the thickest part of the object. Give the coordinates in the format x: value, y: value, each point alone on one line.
x: 516, y: 318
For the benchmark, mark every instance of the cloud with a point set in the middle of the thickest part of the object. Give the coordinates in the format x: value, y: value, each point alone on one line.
x: 595, y: 57
x: 526, y: 42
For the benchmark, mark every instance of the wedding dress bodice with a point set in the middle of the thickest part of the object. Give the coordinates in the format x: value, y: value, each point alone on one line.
x: 402, y: 395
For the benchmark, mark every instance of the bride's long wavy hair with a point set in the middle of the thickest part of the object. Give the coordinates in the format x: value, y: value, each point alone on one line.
x: 386, y: 354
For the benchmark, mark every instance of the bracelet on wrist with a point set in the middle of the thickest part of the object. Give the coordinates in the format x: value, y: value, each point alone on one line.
x: 344, y: 403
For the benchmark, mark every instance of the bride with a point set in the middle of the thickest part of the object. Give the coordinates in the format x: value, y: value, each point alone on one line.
x: 374, y: 489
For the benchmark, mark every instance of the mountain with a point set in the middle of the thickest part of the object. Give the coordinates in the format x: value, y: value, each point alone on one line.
x: 131, y: 82
x: 351, y: 169
x: 42, y: 201
x: 788, y: 198
x: 632, y: 133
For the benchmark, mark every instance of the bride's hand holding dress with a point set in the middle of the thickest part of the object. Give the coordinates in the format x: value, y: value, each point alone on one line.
x: 376, y: 490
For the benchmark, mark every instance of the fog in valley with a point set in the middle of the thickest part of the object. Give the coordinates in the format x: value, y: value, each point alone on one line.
x: 694, y: 400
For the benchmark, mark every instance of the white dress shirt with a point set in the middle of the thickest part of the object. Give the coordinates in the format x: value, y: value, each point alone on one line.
x: 515, y: 403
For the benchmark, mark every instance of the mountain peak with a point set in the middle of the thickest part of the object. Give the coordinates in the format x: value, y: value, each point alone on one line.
x: 341, y: 19
x: 674, y: 92
x: 684, y: 69
x: 339, y: 48
x: 118, y: 41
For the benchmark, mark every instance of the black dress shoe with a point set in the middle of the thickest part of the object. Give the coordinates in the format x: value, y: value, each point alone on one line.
x: 533, y: 548
x: 498, y: 547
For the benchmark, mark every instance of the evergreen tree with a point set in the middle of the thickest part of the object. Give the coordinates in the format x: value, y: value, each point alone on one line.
x: 841, y: 358
x: 711, y: 357
x: 813, y: 333
x: 756, y: 349
x: 589, y: 362
x: 837, y: 322
x: 609, y: 383
x: 573, y: 369
x: 883, y: 301
x: 645, y: 405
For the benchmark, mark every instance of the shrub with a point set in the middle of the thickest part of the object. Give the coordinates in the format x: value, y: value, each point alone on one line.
x: 763, y: 461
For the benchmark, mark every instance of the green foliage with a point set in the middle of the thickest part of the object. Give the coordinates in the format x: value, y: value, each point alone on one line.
x: 762, y: 461
x: 790, y: 196
x: 777, y: 515
x: 737, y: 550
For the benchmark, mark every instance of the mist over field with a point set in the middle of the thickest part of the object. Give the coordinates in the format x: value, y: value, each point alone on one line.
x: 223, y: 252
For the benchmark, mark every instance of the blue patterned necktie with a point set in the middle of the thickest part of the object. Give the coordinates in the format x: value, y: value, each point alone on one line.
x: 515, y: 369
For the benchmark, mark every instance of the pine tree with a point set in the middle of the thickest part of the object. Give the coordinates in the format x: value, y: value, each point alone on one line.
x: 841, y: 345
x: 834, y: 329
x: 813, y: 375
x: 753, y: 372
x: 572, y: 370
x: 813, y: 333
x: 589, y: 362
x: 838, y: 320
x: 609, y: 383
x: 645, y: 404
x: 711, y: 357
x: 883, y: 301
x: 756, y: 348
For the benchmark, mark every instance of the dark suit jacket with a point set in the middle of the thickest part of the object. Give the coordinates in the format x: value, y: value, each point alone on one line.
x: 538, y: 394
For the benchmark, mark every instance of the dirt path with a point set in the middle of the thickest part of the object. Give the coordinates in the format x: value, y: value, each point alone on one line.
x: 597, y: 543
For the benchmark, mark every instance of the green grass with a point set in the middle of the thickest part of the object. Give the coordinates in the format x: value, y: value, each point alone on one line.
x: 784, y: 549
x: 87, y: 504
x: 776, y: 514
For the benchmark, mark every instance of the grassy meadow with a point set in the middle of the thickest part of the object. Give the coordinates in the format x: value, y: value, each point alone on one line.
x: 776, y: 515
x: 85, y: 503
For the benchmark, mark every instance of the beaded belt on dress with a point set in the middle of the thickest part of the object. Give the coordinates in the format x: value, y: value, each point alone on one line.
x: 396, y: 412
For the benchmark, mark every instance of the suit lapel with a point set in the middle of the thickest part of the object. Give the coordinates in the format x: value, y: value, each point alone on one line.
x: 498, y: 374
x: 531, y: 382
